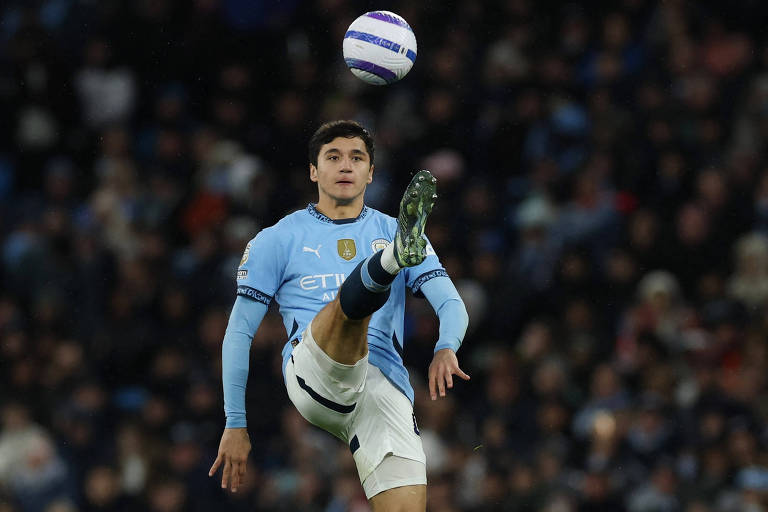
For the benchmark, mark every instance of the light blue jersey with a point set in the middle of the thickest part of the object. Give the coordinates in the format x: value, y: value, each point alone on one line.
x: 301, y: 262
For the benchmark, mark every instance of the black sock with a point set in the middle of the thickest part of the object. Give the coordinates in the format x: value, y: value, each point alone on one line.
x: 377, y: 272
x: 358, y: 300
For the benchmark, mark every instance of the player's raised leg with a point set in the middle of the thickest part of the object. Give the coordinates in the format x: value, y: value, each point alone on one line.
x: 341, y: 327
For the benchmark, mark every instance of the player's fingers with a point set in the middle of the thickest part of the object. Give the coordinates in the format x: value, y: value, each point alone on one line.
x: 235, y: 476
x: 215, y: 465
x: 432, y: 379
x: 441, y: 384
x: 449, y: 378
x: 461, y: 373
x: 242, y: 468
x: 432, y: 371
x: 225, y: 473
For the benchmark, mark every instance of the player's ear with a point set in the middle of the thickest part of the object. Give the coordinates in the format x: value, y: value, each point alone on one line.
x: 370, y: 174
x: 312, y: 172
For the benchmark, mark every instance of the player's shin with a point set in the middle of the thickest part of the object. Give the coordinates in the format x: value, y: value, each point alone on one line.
x: 366, y: 289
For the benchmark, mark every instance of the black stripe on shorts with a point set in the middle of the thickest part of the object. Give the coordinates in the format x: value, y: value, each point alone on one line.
x: 345, y: 409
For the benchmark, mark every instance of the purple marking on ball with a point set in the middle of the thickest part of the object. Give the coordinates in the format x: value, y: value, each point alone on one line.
x: 380, y: 41
x: 382, y: 16
x: 363, y: 65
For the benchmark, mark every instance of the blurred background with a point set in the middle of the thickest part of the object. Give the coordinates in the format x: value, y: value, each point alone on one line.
x: 603, y: 172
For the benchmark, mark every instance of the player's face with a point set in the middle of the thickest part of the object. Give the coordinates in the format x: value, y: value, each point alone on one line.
x: 343, y: 169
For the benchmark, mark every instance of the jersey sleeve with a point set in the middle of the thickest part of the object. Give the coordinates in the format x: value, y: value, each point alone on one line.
x: 244, y: 321
x: 262, y: 267
x: 430, y: 268
x: 446, y: 301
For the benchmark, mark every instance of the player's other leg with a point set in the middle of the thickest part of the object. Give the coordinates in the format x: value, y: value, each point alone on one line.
x: 340, y: 328
x: 409, y: 498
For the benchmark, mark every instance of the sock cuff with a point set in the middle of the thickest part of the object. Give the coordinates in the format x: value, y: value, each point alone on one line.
x: 356, y: 300
x: 368, y: 281
x: 388, y: 260
x: 375, y: 270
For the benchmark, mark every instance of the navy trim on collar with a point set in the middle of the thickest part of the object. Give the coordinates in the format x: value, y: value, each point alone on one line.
x: 313, y: 211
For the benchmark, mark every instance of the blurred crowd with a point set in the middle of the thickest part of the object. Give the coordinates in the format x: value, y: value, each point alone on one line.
x: 603, y: 173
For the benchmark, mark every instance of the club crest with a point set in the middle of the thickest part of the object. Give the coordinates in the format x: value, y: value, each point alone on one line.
x: 346, y: 248
x: 379, y: 244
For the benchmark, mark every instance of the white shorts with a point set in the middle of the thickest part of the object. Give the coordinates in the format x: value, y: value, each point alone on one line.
x: 360, y: 406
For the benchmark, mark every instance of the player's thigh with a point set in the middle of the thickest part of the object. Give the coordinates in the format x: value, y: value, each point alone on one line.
x: 393, y: 473
x: 409, y: 498
x: 324, y: 391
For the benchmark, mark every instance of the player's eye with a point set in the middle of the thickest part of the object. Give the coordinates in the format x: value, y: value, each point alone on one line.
x: 333, y: 157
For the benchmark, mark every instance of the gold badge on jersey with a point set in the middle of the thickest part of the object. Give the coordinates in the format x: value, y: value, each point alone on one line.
x: 346, y: 248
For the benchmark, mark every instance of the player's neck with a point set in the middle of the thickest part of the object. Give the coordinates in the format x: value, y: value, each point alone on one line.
x: 334, y: 210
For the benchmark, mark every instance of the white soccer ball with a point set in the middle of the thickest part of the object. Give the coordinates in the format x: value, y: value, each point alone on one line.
x: 379, y: 47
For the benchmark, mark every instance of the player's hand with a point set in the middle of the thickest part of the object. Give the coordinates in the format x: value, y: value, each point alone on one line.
x: 441, y: 371
x: 233, y: 453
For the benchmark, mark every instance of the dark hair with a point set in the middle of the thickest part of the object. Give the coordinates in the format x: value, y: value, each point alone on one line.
x: 329, y: 131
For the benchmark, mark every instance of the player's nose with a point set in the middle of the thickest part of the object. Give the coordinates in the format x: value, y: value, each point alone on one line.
x: 348, y: 162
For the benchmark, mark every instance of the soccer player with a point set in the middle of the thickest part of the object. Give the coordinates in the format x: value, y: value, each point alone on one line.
x: 339, y: 272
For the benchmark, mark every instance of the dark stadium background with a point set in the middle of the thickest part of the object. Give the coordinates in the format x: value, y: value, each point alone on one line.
x: 604, y: 212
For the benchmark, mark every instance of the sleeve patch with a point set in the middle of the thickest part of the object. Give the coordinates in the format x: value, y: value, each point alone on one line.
x: 246, y: 253
x: 426, y: 276
x: 253, y: 293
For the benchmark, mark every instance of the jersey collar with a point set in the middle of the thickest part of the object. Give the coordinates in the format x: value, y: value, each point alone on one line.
x: 313, y: 211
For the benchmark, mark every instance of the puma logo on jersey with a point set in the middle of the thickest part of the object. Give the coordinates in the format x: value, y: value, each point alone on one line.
x: 316, y: 251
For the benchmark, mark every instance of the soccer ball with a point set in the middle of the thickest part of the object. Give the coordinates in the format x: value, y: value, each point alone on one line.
x: 379, y: 47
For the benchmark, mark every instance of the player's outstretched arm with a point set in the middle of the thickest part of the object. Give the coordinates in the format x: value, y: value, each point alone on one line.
x: 450, y: 309
x: 234, y: 447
